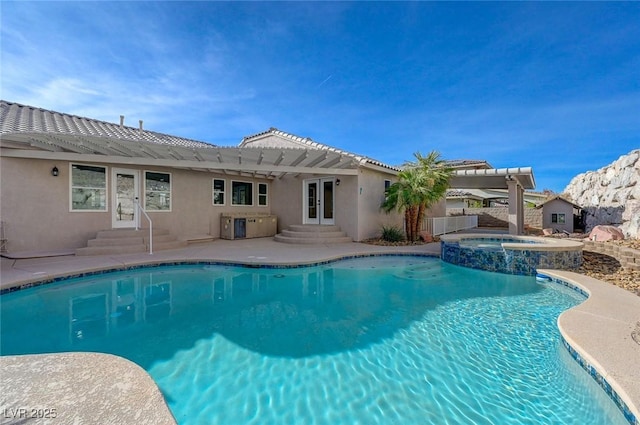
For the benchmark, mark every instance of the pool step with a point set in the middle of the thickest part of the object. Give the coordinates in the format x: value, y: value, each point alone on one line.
x: 129, y: 241
x: 312, y: 234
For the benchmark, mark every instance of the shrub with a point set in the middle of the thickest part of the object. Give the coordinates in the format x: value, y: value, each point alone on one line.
x: 392, y: 234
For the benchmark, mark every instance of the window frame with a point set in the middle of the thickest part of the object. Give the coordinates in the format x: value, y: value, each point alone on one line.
x: 105, y: 188
x: 556, y: 217
x: 265, y: 195
x: 232, y: 194
x: 213, y: 192
x: 144, y: 176
x: 387, y: 185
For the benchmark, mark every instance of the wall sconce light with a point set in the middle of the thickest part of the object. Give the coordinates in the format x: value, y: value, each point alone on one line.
x: 338, y: 182
x: 54, y: 171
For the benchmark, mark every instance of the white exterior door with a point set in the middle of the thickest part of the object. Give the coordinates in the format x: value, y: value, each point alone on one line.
x: 319, y: 201
x: 125, y: 189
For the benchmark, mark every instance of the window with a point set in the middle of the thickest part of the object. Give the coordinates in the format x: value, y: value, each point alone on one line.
x: 157, y: 191
x: 218, y: 192
x: 557, y: 218
x: 88, y: 188
x: 387, y: 185
x: 241, y: 193
x: 262, y: 194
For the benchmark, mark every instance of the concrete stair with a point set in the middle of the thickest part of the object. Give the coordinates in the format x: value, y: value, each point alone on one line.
x: 128, y: 241
x: 312, y: 234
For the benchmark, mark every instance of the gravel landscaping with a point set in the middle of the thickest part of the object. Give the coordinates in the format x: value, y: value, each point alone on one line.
x: 608, y: 269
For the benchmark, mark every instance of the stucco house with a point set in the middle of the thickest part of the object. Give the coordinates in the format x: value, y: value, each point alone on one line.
x: 64, y: 178
x: 560, y: 214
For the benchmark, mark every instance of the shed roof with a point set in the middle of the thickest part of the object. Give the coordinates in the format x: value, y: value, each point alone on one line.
x: 559, y: 198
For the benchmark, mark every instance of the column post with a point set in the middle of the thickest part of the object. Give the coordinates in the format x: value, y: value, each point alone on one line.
x: 514, y: 221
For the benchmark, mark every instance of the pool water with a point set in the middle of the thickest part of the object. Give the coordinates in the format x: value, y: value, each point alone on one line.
x: 380, y: 340
x: 491, y: 243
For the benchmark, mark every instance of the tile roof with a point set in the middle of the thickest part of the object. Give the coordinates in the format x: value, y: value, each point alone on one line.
x: 28, y: 132
x: 467, y: 163
x: 18, y: 118
x: 291, y: 140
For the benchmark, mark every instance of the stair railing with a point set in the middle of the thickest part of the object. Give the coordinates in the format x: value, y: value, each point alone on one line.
x: 150, y: 224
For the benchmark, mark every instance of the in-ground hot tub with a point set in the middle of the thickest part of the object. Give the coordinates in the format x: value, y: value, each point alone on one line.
x: 510, y: 254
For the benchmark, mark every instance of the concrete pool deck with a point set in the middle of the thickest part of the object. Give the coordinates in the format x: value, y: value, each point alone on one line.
x: 604, y: 330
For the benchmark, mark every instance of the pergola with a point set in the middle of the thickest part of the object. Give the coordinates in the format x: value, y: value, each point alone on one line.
x: 515, y: 180
x: 262, y: 162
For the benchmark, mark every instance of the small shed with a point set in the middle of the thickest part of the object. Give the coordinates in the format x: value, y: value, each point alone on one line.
x: 560, y: 214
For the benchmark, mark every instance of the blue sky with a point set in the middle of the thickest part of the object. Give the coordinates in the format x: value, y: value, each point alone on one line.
x: 554, y: 86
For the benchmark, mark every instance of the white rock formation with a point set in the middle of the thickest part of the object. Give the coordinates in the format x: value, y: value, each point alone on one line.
x: 610, y: 195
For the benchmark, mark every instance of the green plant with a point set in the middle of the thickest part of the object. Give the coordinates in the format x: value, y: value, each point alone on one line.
x: 392, y: 234
x: 420, y: 185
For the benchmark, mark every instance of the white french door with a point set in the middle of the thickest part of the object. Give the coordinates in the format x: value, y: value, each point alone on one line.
x: 319, y: 201
x: 125, y: 190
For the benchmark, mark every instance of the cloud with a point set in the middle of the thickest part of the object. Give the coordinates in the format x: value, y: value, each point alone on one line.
x: 505, y: 86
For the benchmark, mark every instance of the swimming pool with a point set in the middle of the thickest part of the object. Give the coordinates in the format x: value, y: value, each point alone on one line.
x: 373, y: 340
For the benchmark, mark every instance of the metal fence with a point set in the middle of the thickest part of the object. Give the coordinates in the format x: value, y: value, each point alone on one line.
x: 442, y: 225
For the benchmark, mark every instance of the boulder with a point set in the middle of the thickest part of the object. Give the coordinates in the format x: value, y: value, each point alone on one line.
x: 605, y: 233
x: 610, y: 195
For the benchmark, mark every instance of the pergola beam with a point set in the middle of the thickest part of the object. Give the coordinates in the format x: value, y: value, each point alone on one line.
x: 177, y: 163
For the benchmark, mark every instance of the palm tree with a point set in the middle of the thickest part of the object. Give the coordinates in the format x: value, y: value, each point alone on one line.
x: 420, y: 185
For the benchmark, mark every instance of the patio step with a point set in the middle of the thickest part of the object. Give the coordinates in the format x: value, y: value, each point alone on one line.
x: 295, y: 234
x: 320, y: 228
x: 129, y: 241
x: 128, y: 233
x: 312, y: 234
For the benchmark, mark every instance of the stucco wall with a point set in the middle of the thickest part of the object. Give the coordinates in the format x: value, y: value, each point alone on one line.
x: 357, y: 203
x: 286, y: 200
x: 35, y: 205
x: 346, y: 208
x: 370, y: 195
x: 439, y: 209
x: 288, y: 203
x: 456, y: 203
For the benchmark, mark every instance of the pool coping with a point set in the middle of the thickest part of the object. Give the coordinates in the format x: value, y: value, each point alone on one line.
x: 80, y: 388
x: 597, y: 333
